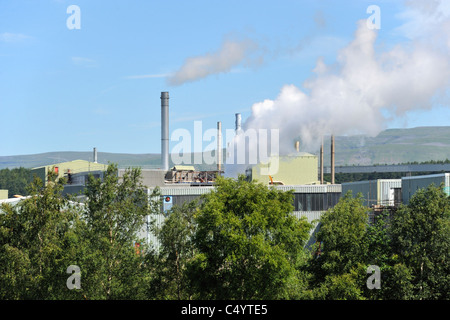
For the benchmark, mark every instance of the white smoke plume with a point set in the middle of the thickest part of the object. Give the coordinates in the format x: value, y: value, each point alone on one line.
x: 231, y: 54
x: 363, y: 89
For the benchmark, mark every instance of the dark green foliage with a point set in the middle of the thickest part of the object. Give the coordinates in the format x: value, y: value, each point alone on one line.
x: 15, y: 181
x: 339, y: 268
x: 421, y: 239
x: 115, y: 212
x: 410, y: 246
x: 170, y: 279
x: 36, y: 244
x: 241, y: 242
x: 249, y: 245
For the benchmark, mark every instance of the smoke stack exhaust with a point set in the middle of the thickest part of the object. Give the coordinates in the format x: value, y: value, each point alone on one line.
x: 321, y: 162
x: 238, y: 122
x: 219, y: 146
x: 95, y: 155
x: 165, y: 131
x: 332, y: 159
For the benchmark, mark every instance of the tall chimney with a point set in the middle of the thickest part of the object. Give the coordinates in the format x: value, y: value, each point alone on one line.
x: 219, y: 146
x: 95, y: 155
x: 297, y: 146
x: 238, y: 122
x: 332, y: 159
x: 321, y: 162
x: 165, y: 131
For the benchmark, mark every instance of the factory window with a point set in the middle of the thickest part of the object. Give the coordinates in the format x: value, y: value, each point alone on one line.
x: 315, y: 201
x: 308, y: 202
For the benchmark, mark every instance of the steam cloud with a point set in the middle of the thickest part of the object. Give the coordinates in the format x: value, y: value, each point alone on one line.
x: 359, y: 94
x: 231, y: 54
x: 363, y: 89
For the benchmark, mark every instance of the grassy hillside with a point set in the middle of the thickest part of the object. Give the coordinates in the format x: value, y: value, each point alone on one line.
x: 389, y: 147
x: 148, y: 161
x: 36, y: 160
x: 393, y: 146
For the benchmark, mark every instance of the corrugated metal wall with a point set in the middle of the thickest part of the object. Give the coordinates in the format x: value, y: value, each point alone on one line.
x: 411, y: 184
x: 309, y: 201
x: 313, y: 188
x: 386, y: 191
x: 368, y: 189
x: 311, y: 216
x: 375, y: 192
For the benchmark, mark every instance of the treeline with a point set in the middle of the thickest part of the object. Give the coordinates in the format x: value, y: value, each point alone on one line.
x: 241, y: 242
x: 353, y: 177
x: 446, y: 161
x: 15, y: 180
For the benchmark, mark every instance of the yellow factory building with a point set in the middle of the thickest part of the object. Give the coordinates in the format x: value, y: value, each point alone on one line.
x: 296, y: 169
x: 67, y: 169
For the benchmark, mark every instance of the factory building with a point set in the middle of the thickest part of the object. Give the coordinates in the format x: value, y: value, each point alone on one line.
x: 411, y: 184
x: 298, y: 172
x: 388, y: 194
x: 309, y: 201
x: 393, y: 192
x: 3, y: 194
x: 182, y: 184
x: 295, y: 169
x: 380, y: 192
x: 74, y: 171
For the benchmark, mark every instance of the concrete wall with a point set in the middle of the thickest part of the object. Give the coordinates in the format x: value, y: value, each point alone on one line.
x: 150, y: 178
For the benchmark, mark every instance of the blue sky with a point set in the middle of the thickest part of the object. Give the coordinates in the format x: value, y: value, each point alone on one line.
x: 99, y: 86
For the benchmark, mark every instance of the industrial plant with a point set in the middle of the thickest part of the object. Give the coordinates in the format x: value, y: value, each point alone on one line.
x: 301, y: 172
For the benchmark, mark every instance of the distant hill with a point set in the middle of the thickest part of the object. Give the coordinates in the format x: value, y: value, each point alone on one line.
x: 146, y: 161
x: 48, y: 158
x: 391, y: 146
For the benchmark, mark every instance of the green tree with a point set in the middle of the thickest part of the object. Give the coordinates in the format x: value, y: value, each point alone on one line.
x: 339, y: 270
x: 112, y: 267
x: 421, y: 240
x: 38, y: 238
x: 379, y: 253
x: 176, y: 250
x: 249, y: 244
x: 15, y: 181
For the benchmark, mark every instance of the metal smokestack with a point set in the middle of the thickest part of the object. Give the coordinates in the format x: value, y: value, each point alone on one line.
x: 321, y: 163
x: 95, y: 155
x: 238, y: 122
x: 297, y: 146
x: 219, y: 146
x: 165, y: 131
x: 332, y: 159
